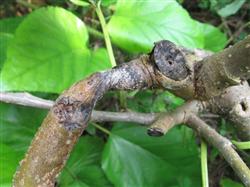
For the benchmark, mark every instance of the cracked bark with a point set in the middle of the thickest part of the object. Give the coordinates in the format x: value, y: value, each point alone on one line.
x: 186, y: 75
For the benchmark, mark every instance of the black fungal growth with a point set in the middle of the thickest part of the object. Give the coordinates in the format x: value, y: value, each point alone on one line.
x: 157, y: 132
x: 71, y: 113
x: 169, y: 60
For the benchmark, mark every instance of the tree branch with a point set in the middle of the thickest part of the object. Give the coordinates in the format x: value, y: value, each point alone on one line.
x: 166, y: 121
x: 27, y: 99
x: 223, y: 145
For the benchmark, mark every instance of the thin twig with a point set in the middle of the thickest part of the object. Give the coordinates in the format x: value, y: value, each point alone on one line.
x: 223, y: 145
x: 27, y: 99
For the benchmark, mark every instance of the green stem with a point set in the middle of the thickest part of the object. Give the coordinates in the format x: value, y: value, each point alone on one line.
x: 95, y: 32
x: 123, y: 99
x: 241, y: 145
x: 106, y: 34
x: 204, y: 171
x: 101, y: 128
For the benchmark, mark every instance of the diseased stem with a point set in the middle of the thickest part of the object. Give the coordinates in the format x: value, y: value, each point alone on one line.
x: 106, y: 34
x: 223, y: 145
x: 69, y: 117
x: 204, y: 170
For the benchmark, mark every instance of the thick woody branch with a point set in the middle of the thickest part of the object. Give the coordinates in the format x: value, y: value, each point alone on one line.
x: 221, y: 70
x: 234, y: 104
x: 223, y: 145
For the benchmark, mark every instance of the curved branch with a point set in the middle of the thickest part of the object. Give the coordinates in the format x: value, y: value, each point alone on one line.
x: 234, y: 103
x: 221, y: 70
x: 223, y: 145
x: 68, y: 118
x: 167, y: 121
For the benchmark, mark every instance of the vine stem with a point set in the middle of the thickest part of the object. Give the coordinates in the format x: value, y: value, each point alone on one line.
x: 106, y: 131
x: 105, y: 33
x: 242, y: 145
x: 204, y: 171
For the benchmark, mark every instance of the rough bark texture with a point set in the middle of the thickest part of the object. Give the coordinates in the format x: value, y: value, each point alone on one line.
x: 185, y: 75
x: 221, y: 70
x: 68, y: 118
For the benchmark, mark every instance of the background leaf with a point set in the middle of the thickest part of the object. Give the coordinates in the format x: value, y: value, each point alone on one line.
x: 17, y: 128
x: 5, y: 39
x: 8, y: 164
x: 226, y: 182
x: 214, y: 39
x: 80, y: 2
x: 84, y: 165
x: 136, y: 25
x: 132, y: 158
x: 49, y: 53
x: 231, y: 8
x: 9, y: 25
x: 7, y: 29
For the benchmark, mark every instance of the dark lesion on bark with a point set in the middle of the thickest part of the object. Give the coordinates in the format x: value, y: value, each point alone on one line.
x: 169, y: 60
x: 71, y: 113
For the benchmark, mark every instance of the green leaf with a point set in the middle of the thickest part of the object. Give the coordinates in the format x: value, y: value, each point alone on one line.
x: 148, y: 101
x: 136, y: 25
x: 7, y: 29
x: 9, y: 25
x: 231, y: 8
x: 17, y: 128
x: 131, y: 158
x: 108, y: 2
x: 214, y: 39
x: 8, y: 164
x: 83, y: 168
x: 5, y: 39
x: 49, y: 53
x: 80, y: 2
x: 226, y: 182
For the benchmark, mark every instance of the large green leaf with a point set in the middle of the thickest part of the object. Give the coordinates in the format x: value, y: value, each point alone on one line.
x: 49, y: 53
x: 131, y: 158
x: 214, y: 39
x: 84, y: 165
x: 136, y: 25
